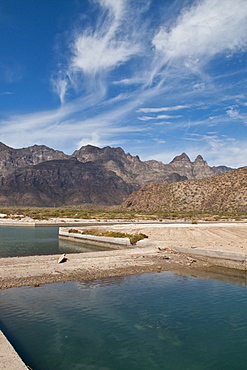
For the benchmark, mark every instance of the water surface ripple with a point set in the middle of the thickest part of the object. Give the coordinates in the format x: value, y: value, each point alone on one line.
x: 148, y: 321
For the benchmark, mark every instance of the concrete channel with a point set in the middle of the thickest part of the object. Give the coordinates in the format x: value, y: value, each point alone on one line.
x: 9, y: 358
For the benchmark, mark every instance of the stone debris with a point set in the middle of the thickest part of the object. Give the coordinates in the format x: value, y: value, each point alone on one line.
x: 62, y: 258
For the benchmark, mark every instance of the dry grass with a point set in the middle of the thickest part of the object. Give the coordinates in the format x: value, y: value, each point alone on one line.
x: 134, y: 238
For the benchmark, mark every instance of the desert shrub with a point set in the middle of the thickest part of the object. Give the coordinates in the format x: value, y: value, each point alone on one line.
x: 134, y: 238
x: 74, y: 231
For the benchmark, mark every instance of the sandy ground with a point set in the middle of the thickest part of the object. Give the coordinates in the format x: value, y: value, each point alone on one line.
x: 149, y: 256
x: 230, y: 237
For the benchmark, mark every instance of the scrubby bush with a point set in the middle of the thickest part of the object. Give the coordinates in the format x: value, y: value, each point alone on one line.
x: 74, y: 231
x: 134, y: 238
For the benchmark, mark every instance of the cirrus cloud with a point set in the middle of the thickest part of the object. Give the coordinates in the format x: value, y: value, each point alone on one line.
x: 96, y: 51
x: 206, y: 28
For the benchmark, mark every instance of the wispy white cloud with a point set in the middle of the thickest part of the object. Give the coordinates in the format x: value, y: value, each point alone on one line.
x: 165, y: 116
x: 130, y: 81
x: 204, y: 29
x: 96, y: 51
x: 146, y: 118
x: 6, y: 93
x: 93, y: 53
x: 68, y: 124
x: 159, y: 141
x: 161, y: 116
x: 233, y: 112
x: 162, y: 109
x: 60, y: 86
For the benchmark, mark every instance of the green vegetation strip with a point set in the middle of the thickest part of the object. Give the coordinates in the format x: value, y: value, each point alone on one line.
x: 40, y: 213
x: 134, y: 238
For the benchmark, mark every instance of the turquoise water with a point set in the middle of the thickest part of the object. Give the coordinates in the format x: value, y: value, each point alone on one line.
x: 148, y: 321
x: 31, y: 241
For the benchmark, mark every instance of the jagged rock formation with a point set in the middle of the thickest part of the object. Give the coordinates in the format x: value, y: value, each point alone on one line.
x: 10, y: 158
x: 39, y: 175
x: 63, y: 182
x: 225, y: 192
x: 192, y: 170
x: 138, y: 173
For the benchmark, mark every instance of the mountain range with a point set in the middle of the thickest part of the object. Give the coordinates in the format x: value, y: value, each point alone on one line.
x: 41, y: 176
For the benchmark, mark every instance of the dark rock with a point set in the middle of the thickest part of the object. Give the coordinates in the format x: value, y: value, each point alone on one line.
x: 63, y: 182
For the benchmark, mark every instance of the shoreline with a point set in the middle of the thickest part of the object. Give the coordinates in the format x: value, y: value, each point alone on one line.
x: 169, y: 247
x: 65, y: 222
x: 36, y: 270
x: 39, y: 270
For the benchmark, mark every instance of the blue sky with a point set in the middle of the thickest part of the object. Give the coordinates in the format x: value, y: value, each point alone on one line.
x: 157, y: 77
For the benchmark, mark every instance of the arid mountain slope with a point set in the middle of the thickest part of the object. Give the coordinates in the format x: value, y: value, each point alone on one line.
x: 62, y: 182
x: 225, y: 192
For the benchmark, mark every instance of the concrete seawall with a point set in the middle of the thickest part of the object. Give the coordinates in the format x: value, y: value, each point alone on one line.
x: 217, y: 257
x: 52, y: 224
x: 101, y: 241
x: 9, y: 358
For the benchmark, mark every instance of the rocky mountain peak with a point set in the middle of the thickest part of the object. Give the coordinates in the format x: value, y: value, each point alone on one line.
x: 91, y: 153
x: 201, y: 169
x: 10, y: 158
x: 182, y: 164
x: 199, y: 159
x: 182, y: 158
x: 87, y: 149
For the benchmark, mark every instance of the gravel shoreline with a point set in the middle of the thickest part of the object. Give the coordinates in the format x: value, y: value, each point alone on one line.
x: 36, y: 270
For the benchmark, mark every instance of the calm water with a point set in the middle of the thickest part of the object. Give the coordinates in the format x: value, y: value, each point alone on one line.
x: 31, y: 241
x: 150, y: 321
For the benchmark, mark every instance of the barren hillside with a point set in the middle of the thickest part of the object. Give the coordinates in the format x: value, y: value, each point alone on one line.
x: 226, y: 192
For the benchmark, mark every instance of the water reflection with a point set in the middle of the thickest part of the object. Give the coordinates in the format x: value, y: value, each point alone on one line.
x: 226, y: 275
x: 78, y: 247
